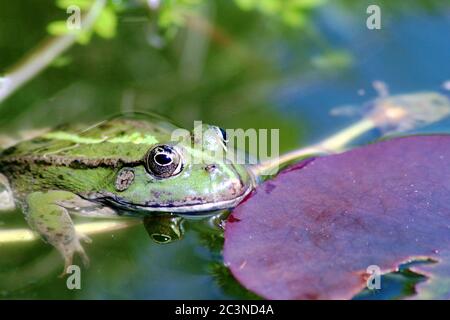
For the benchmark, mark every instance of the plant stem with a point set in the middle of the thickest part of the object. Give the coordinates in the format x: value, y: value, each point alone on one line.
x: 25, y: 235
x: 41, y: 56
x: 400, y: 113
x: 332, y: 144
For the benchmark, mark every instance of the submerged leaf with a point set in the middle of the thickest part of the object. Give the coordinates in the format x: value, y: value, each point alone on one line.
x: 312, y: 232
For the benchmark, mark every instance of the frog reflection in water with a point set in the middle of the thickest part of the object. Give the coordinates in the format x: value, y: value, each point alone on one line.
x: 164, y: 228
x: 125, y: 166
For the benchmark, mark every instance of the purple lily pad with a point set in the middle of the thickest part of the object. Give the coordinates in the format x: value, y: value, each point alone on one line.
x: 312, y: 231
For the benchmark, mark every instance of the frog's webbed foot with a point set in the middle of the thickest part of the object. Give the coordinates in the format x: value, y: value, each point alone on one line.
x: 68, y: 250
x: 6, y: 195
x: 52, y: 221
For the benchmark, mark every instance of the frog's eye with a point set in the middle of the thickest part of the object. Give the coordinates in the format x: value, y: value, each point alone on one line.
x: 222, y: 133
x: 163, y: 161
x: 161, y: 238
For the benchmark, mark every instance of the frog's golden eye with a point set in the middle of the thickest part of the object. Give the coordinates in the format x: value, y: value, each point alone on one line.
x: 163, y: 161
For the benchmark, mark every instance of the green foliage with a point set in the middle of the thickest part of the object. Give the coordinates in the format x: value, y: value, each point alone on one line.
x: 333, y: 59
x: 82, y: 4
x: 291, y: 12
x: 61, y: 61
x: 104, y: 26
x: 57, y: 28
x: 106, y: 23
x: 172, y: 15
x: 225, y: 280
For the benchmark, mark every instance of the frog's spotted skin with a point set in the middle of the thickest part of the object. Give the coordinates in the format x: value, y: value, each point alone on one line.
x: 104, y: 171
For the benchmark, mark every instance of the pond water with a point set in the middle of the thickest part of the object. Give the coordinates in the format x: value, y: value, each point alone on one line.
x: 254, y: 73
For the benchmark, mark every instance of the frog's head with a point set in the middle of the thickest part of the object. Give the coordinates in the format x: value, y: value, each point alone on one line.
x: 190, y: 175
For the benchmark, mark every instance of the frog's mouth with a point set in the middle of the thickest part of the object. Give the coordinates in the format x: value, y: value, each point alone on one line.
x: 182, y: 207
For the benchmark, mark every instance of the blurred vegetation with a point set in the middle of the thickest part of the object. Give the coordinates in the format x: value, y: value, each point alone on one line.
x: 186, y: 59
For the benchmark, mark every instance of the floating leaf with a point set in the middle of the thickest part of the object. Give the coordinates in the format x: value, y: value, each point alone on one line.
x: 312, y: 232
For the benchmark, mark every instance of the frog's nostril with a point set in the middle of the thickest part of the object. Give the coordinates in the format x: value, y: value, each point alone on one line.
x: 210, y: 168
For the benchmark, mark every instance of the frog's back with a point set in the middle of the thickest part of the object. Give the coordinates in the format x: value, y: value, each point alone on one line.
x: 109, y: 143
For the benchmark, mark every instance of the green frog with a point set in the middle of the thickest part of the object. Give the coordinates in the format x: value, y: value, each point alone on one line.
x: 125, y: 166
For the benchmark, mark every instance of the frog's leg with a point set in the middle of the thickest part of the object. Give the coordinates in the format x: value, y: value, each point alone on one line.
x: 6, y: 195
x: 48, y: 214
x: 82, y: 207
